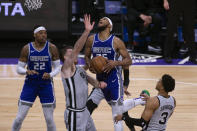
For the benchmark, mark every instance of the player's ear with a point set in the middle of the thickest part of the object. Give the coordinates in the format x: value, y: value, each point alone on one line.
x: 34, y: 35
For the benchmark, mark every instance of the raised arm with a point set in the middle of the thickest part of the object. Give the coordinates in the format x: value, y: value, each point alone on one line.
x: 88, y: 51
x: 81, y: 41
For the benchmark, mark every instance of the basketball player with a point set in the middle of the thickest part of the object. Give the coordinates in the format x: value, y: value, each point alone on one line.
x: 75, y: 81
x: 111, y: 47
x: 39, y: 56
x: 158, y: 109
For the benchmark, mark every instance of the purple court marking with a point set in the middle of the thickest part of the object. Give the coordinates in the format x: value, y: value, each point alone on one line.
x: 81, y: 61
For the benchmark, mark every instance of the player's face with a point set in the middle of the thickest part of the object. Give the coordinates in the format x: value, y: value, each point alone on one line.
x: 103, y: 22
x: 41, y: 36
x: 68, y: 55
x: 159, y: 85
x: 69, y: 52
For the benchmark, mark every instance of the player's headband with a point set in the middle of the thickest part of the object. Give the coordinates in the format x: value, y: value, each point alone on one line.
x: 110, y: 22
x: 39, y: 29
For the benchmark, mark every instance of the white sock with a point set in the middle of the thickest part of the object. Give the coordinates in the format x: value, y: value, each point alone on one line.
x: 117, y: 110
x: 131, y: 103
x: 48, y: 114
x: 22, y: 112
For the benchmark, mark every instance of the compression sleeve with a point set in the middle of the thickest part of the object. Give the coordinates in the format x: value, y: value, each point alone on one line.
x: 21, y: 68
x: 133, y: 121
x: 56, y: 66
x: 126, y: 77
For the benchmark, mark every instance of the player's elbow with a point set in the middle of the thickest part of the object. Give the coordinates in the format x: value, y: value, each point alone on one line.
x: 129, y: 61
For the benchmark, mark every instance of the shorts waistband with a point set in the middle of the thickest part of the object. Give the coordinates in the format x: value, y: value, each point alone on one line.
x: 75, y: 109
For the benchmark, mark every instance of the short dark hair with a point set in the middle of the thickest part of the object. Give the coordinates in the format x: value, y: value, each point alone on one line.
x: 168, y: 83
x: 63, y: 51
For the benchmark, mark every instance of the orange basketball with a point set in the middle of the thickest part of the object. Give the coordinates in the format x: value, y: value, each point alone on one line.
x: 97, y: 63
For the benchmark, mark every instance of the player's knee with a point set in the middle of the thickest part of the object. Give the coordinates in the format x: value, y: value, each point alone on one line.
x: 91, y: 105
x: 19, y: 119
x: 49, y: 121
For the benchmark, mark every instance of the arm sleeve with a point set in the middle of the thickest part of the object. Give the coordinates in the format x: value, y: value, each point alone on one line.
x: 21, y: 68
x: 126, y: 77
x: 137, y: 122
x: 56, y: 66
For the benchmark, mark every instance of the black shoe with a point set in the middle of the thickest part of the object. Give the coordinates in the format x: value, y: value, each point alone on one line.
x: 129, y: 125
x: 168, y: 60
x: 193, y: 60
x: 183, y: 49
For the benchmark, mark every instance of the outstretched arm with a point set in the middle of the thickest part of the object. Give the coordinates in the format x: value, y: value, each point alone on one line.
x: 88, y: 51
x: 80, y: 42
x: 95, y: 83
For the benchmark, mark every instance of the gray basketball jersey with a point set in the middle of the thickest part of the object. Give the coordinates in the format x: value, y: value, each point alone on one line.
x: 160, y: 117
x: 76, y: 89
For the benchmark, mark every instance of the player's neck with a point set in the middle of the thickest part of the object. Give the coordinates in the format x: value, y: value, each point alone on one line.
x: 68, y: 72
x: 104, y: 35
x: 164, y: 94
x: 38, y: 45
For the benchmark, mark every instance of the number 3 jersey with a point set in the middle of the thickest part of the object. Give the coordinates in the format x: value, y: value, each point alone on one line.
x: 39, y: 61
x: 160, y: 117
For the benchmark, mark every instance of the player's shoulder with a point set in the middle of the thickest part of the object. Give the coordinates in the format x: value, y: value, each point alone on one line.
x: 80, y: 68
x: 26, y: 47
x: 118, y: 41
x: 153, y: 101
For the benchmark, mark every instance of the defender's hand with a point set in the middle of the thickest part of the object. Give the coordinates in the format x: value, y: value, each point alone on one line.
x: 32, y: 72
x: 102, y: 84
x: 46, y: 76
x: 110, y: 65
x: 87, y: 23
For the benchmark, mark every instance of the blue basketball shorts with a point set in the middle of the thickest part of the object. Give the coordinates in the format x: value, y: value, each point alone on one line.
x: 33, y: 88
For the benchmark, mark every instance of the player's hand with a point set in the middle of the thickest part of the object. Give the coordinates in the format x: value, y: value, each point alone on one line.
x: 110, y: 65
x: 145, y: 97
x: 166, y: 5
x: 118, y: 118
x: 32, y: 72
x: 87, y: 22
x: 127, y: 93
x: 46, y: 76
x: 102, y: 84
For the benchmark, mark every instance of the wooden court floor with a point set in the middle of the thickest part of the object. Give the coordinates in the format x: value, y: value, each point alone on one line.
x: 142, y: 77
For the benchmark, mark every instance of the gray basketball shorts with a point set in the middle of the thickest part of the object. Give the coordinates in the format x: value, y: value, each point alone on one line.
x: 79, y: 121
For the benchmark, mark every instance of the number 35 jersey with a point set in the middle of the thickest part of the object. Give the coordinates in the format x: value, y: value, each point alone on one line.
x: 114, y: 90
x: 158, y: 121
x: 39, y: 61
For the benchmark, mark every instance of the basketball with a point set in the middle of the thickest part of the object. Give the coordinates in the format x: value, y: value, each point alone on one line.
x: 97, y: 63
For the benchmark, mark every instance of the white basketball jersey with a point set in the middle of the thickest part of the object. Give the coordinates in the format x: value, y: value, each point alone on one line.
x: 160, y: 117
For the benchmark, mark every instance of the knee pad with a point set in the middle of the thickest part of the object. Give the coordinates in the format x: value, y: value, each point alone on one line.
x: 91, y: 106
